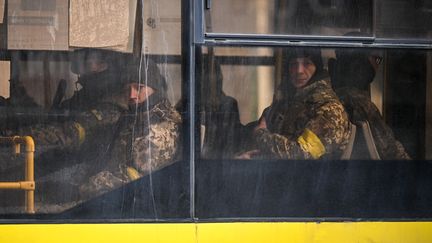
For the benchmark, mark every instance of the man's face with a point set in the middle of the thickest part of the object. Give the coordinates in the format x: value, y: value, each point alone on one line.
x: 138, y: 93
x: 301, y: 71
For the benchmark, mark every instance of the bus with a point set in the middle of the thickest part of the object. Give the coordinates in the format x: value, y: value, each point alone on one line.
x: 220, y: 67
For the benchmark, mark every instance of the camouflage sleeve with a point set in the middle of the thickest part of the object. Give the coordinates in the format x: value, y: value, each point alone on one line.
x: 331, y: 125
x: 157, y: 149
x: 278, y: 146
x: 149, y: 153
x: 55, y: 136
x: 72, y: 134
x: 102, y: 182
x: 151, y: 148
x: 326, y: 131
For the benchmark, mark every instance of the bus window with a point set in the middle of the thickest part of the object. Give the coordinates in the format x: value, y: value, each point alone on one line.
x: 102, y: 113
x: 403, y: 19
x: 237, y: 93
x: 227, y: 80
x: 386, y: 89
x: 312, y: 17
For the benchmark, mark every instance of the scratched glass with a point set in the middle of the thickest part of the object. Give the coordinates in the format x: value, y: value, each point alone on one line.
x: 105, y: 112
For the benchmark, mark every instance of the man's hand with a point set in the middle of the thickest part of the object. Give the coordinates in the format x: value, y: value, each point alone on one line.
x: 248, y: 154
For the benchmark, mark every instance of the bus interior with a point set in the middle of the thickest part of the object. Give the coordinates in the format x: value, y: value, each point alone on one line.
x: 223, y: 68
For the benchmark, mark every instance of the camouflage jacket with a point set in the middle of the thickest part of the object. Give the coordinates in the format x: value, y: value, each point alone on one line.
x: 148, y: 140
x: 81, y: 137
x: 360, y: 108
x: 79, y: 129
x: 311, y: 125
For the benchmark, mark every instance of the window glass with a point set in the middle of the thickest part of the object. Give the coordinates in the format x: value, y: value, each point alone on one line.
x: 102, y: 114
x: 403, y: 19
x: 313, y: 132
x: 228, y: 82
x: 297, y: 17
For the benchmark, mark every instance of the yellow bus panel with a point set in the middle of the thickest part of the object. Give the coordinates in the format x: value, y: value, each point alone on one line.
x: 219, y: 232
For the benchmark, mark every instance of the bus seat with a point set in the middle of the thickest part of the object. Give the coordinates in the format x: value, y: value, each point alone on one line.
x: 364, y: 147
x: 348, y: 150
x: 370, y: 142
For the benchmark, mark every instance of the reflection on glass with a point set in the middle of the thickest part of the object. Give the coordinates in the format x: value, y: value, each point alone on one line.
x: 117, y: 127
x: 107, y: 134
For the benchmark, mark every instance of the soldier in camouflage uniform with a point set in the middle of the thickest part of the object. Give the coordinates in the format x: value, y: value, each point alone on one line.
x: 308, y: 122
x: 351, y: 75
x: 148, y: 136
x: 92, y: 114
x: 78, y: 141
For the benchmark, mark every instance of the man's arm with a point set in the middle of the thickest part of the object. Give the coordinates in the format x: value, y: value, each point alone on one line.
x: 71, y: 134
x: 150, y: 152
x: 324, y: 132
x: 157, y: 149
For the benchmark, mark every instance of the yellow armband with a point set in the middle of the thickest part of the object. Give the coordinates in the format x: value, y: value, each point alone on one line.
x: 97, y: 114
x: 310, y: 143
x: 81, y: 133
x: 132, y: 173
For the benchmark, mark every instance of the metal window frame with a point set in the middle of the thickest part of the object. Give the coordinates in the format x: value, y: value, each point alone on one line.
x: 189, y: 31
x: 201, y: 37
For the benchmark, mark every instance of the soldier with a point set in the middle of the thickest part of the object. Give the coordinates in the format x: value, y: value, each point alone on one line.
x: 148, y: 136
x: 93, y: 112
x: 69, y: 148
x: 352, y: 74
x: 220, y: 116
x: 308, y: 122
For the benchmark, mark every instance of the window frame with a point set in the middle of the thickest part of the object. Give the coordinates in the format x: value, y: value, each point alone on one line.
x: 202, y: 38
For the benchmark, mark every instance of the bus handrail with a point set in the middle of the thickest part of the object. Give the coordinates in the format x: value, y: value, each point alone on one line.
x: 28, y: 185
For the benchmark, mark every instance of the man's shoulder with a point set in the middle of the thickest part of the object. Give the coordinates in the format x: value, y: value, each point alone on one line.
x: 352, y: 91
x: 359, y: 103
x: 322, y: 92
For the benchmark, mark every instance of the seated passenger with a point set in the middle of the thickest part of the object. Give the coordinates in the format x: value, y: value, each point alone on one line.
x: 94, y: 108
x: 220, y: 118
x: 352, y: 73
x: 67, y: 149
x: 308, y: 122
x: 148, y: 137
